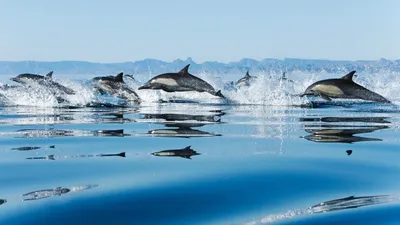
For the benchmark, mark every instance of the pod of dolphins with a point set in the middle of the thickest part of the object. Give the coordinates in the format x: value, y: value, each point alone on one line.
x: 183, y: 81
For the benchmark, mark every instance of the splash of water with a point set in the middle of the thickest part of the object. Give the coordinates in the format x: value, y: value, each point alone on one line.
x: 266, y: 89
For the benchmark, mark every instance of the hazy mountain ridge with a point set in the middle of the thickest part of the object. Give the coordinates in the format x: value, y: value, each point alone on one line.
x: 155, y: 66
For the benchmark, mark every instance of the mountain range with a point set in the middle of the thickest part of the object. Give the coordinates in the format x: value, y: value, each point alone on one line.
x: 154, y: 66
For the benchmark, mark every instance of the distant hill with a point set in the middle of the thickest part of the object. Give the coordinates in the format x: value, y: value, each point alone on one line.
x: 155, y: 66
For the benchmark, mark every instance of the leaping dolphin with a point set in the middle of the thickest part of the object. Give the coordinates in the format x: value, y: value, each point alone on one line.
x: 46, y: 80
x: 245, y: 81
x: 181, y: 81
x: 343, y: 87
x: 115, y: 85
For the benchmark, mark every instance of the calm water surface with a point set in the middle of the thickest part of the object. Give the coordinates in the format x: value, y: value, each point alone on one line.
x: 179, y: 163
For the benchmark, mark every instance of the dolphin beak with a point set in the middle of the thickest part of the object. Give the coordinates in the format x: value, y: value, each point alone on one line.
x: 14, y: 79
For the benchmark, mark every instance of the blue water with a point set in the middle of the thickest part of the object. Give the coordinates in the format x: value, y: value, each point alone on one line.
x: 252, y: 164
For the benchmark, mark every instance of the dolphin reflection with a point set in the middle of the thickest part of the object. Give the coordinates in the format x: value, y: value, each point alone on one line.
x: 184, y: 132
x: 46, y: 193
x: 54, y: 157
x: 186, y: 153
x: 342, y: 135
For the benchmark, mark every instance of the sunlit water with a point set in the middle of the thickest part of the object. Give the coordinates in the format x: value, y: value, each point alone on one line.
x: 266, y: 156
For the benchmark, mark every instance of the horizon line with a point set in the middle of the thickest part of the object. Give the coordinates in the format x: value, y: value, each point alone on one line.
x: 191, y: 59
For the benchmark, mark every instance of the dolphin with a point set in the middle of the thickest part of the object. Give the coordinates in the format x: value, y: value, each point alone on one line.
x: 115, y: 85
x: 343, y: 87
x: 2, y: 201
x: 186, y: 153
x: 245, y: 81
x: 46, y: 80
x: 181, y: 81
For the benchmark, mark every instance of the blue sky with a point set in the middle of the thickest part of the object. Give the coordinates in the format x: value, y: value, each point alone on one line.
x: 207, y: 30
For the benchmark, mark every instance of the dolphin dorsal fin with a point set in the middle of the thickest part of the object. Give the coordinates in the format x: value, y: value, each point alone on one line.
x: 118, y: 77
x: 247, y: 74
x: 49, y: 75
x: 284, y: 75
x: 185, y: 69
x: 187, y: 148
x: 349, y: 76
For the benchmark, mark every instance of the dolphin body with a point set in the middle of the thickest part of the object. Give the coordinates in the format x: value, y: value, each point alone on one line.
x: 186, y: 153
x: 343, y: 87
x: 245, y: 81
x: 179, y: 82
x: 115, y: 85
x: 46, y: 80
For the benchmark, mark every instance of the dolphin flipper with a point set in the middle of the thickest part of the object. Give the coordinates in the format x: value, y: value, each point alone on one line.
x: 324, y: 96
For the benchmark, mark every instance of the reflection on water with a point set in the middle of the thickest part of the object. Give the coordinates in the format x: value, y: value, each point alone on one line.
x: 344, y: 129
x: 181, y: 125
x: 53, y: 133
x: 353, y: 202
x: 27, y: 148
x: 185, y: 132
x: 341, y: 135
x: 46, y: 193
x: 238, y: 148
x: 54, y: 157
x: 186, y: 153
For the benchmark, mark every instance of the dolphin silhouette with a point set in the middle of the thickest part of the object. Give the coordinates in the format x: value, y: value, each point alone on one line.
x: 181, y: 81
x: 343, y: 87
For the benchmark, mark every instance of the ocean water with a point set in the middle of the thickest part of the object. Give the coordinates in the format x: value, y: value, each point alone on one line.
x: 266, y: 156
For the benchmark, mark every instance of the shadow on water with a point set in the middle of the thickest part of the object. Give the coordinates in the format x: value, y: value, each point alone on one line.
x: 342, y: 131
x: 46, y: 193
